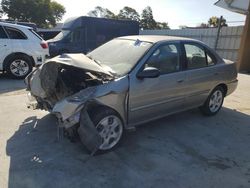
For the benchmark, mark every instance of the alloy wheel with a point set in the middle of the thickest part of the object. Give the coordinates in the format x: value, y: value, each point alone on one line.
x: 215, y: 101
x: 110, y: 129
x: 19, y: 68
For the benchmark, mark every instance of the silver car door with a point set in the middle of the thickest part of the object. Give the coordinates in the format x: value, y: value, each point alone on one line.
x: 5, y: 46
x: 151, y: 98
x: 202, y: 73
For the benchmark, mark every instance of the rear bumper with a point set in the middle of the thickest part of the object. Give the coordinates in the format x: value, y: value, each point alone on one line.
x: 231, y: 86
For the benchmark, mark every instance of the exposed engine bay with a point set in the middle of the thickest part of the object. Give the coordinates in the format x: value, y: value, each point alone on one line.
x: 59, y: 80
x: 63, y: 80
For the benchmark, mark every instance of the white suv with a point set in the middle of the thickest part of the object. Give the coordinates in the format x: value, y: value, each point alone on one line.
x: 21, y: 49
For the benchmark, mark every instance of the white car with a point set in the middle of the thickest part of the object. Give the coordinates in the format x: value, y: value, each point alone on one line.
x: 21, y: 49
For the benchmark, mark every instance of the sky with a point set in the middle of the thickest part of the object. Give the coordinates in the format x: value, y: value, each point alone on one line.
x: 175, y: 12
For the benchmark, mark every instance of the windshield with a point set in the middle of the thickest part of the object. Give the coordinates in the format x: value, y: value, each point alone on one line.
x: 62, y: 34
x: 121, y: 55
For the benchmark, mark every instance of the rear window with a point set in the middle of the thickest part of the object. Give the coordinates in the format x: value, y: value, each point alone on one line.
x: 196, y: 56
x: 36, y: 34
x: 15, y: 33
x: 2, y: 33
x: 211, y: 59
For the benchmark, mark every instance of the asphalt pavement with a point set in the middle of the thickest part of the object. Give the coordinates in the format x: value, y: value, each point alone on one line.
x: 182, y: 150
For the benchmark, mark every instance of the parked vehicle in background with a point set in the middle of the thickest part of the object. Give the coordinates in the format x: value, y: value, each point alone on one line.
x: 83, y: 34
x: 21, y: 49
x: 129, y: 81
x: 27, y: 24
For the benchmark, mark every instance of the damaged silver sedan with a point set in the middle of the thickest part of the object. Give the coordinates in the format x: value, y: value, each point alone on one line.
x: 129, y: 81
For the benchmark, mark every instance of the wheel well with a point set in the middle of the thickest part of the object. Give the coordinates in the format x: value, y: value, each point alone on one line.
x: 91, y: 109
x: 16, y: 54
x: 224, y: 86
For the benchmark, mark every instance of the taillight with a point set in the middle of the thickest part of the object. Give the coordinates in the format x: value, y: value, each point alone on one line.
x: 44, y: 45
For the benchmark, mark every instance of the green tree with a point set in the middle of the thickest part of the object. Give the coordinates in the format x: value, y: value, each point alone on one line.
x: 147, y: 19
x: 101, y: 12
x: 214, y: 21
x: 162, y: 25
x: 57, y: 11
x: 45, y: 13
x: 128, y: 13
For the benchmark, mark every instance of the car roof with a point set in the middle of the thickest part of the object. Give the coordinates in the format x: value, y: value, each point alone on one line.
x: 14, y: 25
x: 156, y: 38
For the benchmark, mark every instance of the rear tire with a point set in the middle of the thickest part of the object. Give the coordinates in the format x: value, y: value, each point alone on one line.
x: 18, y: 66
x: 214, y: 102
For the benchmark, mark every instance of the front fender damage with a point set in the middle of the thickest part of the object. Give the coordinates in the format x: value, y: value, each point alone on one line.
x: 88, y: 133
x: 73, y: 110
x: 113, y: 95
x: 70, y: 84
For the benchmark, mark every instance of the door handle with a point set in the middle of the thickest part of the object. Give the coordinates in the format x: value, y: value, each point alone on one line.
x: 216, y: 73
x: 180, y: 81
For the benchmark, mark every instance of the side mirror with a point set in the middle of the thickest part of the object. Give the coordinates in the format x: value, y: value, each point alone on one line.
x: 149, y: 72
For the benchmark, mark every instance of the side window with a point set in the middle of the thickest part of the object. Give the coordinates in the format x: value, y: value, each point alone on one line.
x: 2, y: 33
x: 75, y: 36
x: 15, y: 33
x: 165, y: 58
x: 211, y: 60
x: 196, y: 56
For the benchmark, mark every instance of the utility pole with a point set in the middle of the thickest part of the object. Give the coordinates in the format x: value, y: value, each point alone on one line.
x: 243, y: 63
x: 218, y: 33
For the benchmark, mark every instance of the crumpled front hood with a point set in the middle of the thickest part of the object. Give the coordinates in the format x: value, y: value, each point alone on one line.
x: 80, y: 61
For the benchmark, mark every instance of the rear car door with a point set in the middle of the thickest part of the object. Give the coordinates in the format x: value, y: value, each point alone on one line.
x: 151, y: 98
x: 202, y: 73
x: 18, y: 40
x: 5, y: 46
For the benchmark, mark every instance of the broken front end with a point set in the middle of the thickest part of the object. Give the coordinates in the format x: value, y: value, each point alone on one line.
x: 73, y: 87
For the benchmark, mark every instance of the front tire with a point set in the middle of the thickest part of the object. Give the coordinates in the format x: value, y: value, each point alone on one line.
x: 19, y: 66
x: 214, y: 102
x: 109, y: 126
